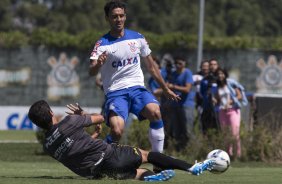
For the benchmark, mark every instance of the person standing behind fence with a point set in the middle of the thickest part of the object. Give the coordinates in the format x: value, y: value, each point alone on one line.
x: 153, y: 84
x: 197, y: 78
x: 166, y: 73
x: 228, y: 98
x: 208, y: 88
x: 182, y: 111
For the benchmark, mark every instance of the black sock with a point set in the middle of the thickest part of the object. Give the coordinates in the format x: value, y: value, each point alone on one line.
x: 146, y: 173
x: 167, y: 162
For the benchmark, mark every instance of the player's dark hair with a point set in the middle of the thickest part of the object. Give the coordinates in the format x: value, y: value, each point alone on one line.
x: 224, y: 82
x: 112, y: 5
x: 203, y: 62
x: 40, y: 114
x: 213, y: 59
x: 179, y: 58
x: 201, y: 66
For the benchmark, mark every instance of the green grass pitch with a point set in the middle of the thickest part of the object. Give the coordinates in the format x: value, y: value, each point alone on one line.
x: 23, y: 163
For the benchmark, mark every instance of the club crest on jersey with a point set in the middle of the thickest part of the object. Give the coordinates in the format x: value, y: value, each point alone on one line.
x: 97, y: 45
x: 132, y: 46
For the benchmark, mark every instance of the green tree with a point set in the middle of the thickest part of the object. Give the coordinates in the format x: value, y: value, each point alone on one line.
x: 222, y: 17
x: 5, y: 16
x: 243, y: 17
x: 79, y: 22
x: 271, y: 13
x: 163, y: 16
x: 214, y: 18
x: 31, y: 15
x: 57, y: 22
x: 184, y: 16
x: 82, y: 14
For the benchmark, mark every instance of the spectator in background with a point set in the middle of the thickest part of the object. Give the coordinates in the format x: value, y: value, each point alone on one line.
x: 204, y: 72
x: 153, y: 84
x: 168, y: 69
x: 213, y: 65
x: 166, y: 73
x: 182, y: 111
x: 197, y: 78
x: 208, y: 88
x: 228, y: 98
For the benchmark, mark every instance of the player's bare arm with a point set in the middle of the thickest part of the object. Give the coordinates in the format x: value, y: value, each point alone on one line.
x: 76, y: 109
x: 183, y: 89
x: 96, y: 64
x: 154, y: 71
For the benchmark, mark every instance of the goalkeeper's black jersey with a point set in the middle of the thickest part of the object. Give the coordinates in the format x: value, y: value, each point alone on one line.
x: 68, y: 143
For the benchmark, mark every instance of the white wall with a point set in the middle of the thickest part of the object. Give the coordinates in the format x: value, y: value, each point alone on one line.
x: 15, y: 117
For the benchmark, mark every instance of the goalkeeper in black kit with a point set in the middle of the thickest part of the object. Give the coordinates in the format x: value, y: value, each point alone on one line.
x: 87, y: 156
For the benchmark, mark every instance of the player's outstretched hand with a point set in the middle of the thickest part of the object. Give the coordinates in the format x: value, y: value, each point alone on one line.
x: 102, y: 58
x: 75, y: 109
x: 171, y: 95
x: 97, y: 131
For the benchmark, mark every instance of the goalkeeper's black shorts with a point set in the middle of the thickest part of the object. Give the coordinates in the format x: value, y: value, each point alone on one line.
x: 121, y: 163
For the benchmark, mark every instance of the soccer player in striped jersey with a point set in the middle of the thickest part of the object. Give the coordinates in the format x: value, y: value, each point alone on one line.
x: 117, y: 56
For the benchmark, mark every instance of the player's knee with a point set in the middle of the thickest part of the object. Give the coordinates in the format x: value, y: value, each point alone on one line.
x: 155, y: 114
x: 152, y: 112
x: 117, y: 131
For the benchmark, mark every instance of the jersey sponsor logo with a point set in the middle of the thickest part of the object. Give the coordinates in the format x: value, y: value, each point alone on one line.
x: 132, y: 46
x: 98, y: 43
x: 51, y: 139
x: 63, y: 148
x: 125, y: 62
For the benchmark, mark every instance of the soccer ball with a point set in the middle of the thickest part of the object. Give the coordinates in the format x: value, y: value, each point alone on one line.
x: 222, y: 161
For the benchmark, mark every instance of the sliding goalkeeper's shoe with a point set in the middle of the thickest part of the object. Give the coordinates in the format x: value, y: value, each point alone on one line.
x: 199, y: 167
x: 157, y: 169
x: 162, y: 176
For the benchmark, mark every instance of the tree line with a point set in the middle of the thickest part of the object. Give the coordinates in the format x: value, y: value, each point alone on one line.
x: 225, y: 18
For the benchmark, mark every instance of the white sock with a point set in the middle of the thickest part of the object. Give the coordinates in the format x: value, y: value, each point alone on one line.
x: 156, y: 137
